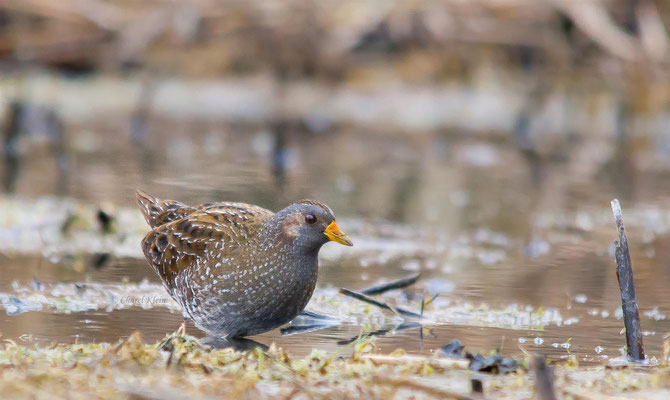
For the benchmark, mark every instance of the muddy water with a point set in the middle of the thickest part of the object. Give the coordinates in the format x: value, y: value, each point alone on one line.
x: 496, y: 232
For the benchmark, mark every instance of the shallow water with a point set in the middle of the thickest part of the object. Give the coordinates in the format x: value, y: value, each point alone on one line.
x: 517, y: 246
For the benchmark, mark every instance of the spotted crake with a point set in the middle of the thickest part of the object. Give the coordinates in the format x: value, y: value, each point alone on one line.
x: 237, y: 269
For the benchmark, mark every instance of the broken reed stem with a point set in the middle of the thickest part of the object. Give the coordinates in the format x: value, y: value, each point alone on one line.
x: 385, y: 287
x: 377, y: 303
x: 624, y: 274
x: 544, y: 379
x: 578, y: 393
x: 443, y: 363
x: 417, y: 386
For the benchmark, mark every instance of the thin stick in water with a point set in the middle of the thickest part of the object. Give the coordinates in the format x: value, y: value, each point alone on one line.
x: 385, y: 287
x: 624, y: 274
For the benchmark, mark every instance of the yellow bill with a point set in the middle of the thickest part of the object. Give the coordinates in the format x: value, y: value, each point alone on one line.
x: 334, y: 233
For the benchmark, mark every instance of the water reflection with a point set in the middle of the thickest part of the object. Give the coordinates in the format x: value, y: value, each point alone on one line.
x: 28, y: 123
x: 240, y: 344
x: 11, y: 135
x: 280, y: 154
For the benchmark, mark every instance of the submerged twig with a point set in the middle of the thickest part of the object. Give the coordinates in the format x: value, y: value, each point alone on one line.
x: 382, y: 332
x: 544, y: 379
x: 624, y: 273
x: 385, y: 287
x: 377, y: 303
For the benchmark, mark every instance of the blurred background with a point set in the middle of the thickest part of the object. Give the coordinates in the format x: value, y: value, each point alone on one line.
x: 478, y: 142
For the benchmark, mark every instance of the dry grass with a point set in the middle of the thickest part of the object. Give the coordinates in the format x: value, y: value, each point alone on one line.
x: 179, y: 367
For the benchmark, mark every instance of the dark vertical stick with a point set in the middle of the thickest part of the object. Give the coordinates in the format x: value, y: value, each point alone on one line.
x: 544, y: 379
x: 624, y: 273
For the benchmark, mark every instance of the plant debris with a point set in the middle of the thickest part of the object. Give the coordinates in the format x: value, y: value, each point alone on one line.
x: 453, y: 349
x: 179, y: 366
x: 495, y: 363
x: 327, y: 303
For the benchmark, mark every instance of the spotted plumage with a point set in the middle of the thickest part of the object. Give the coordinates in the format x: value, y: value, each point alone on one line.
x: 237, y: 269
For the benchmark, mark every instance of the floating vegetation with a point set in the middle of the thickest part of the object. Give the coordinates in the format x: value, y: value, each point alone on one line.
x: 87, y: 296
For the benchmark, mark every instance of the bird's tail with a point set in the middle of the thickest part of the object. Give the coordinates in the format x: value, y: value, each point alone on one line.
x: 158, y: 212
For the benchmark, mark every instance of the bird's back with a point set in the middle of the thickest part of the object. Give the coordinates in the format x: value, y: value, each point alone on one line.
x: 184, y: 238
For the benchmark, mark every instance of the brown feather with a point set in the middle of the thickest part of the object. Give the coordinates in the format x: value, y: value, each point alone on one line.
x: 158, y: 212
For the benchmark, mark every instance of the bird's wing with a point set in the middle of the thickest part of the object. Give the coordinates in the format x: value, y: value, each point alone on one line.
x: 212, y: 230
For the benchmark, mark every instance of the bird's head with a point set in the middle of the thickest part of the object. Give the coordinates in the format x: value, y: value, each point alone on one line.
x: 310, y: 224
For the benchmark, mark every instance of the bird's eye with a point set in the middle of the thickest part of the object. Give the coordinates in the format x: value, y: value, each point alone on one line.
x: 310, y: 219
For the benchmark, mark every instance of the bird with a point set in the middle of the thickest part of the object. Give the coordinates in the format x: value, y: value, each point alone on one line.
x: 237, y: 269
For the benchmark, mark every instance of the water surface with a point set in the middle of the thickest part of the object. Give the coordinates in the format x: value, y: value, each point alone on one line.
x: 497, y: 233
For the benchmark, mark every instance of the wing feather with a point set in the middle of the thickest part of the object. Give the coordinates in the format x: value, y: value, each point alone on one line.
x: 213, y: 230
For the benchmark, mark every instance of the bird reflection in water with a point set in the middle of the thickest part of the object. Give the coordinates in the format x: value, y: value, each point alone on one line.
x: 239, y: 344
